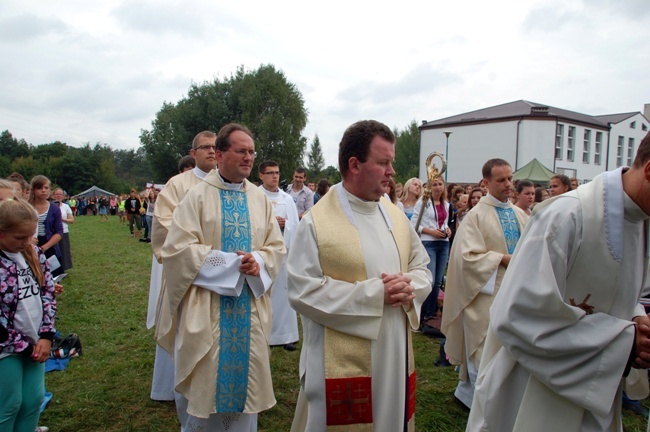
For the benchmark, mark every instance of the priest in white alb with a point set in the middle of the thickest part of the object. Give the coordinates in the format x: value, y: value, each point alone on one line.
x: 566, y: 326
x: 358, y: 276
x: 203, y: 152
x: 479, y: 257
x: 285, y: 321
x: 223, y: 250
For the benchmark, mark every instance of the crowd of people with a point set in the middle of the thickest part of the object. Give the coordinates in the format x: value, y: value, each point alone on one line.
x: 369, y: 263
x: 533, y: 290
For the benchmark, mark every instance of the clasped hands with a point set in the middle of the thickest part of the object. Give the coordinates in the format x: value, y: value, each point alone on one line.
x: 248, y: 265
x: 397, y: 289
x: 642, y: 342
x: 41, y: 350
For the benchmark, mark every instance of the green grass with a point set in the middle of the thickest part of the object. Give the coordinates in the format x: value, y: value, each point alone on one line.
x: 107, y: 388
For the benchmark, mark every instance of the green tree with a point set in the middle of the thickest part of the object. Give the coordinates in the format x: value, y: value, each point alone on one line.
x: 11, y: 148
x: 332, y: 174
x: 315, y: 160
x: 132, y: 168
x: 28, y: 167
x: 77, y: 169
x: 407, y: 152
x: 273, y: 108
x: 45, y: 151
x: 5, y: 166
x: 262, y: 99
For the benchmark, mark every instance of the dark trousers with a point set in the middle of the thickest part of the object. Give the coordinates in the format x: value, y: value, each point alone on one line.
x: 134, y: 218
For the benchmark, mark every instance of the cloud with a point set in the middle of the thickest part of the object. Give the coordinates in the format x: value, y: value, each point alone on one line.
x: 27, y: 26
x: 636, y: 10
x: 162, y: 18
x: 550, y: 19
x: 422, y: 79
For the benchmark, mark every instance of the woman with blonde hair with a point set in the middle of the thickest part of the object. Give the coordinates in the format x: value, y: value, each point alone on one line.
x: 435, y: 232
x: 410, y: 195
x: 7, y: 190
x: 27, y: 310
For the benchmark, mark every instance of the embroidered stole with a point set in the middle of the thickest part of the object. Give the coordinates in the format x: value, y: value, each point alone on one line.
x: 348, y: 367
x: 510, y: 227
x: 235, y: 312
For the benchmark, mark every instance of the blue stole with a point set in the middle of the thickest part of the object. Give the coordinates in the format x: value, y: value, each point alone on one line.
x: 235, y: 312
x: 510, y: 227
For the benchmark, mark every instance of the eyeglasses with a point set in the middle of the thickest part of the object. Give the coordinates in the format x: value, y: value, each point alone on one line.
x: 271, y: 173
x: 206, y: 147
x: 242, y: 152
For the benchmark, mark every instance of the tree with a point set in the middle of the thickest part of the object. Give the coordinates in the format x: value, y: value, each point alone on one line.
x: 263, y: 100
x: 132, y: 167
x: 45, y: 151
x: 407, y: 152
x: 5, y: 166
x: 11, y: 148
x: 29, y: 167
x: 315, y: 160
x: 332, y: 174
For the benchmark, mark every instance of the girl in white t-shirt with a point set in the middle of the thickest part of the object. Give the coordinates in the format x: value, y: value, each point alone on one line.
x: 27, y: 309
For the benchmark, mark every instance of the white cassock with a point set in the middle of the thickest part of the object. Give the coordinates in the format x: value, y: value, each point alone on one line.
x: 549, y: 365
x: 285, y: 320
x: 162, y: 383
x: 355, y: 309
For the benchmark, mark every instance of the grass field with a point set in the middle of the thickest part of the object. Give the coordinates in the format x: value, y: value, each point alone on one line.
x: 107, y: 388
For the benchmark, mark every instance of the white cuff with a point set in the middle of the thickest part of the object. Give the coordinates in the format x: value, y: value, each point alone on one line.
x: 259, y: 284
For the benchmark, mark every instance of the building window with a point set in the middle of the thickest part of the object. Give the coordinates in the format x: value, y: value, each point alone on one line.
x: 570, y: 147
x: 644, y: 126
x: 633, y: 125
x: 630, y: 151
x: 598, y: 147
x: 559, y: 141
x: 619, y: 151
x: 586, y: 148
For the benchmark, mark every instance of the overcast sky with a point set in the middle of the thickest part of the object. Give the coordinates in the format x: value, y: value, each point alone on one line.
x: 98, y: 71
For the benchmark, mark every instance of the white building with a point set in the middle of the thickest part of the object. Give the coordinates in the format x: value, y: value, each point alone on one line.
x: 566, y: 142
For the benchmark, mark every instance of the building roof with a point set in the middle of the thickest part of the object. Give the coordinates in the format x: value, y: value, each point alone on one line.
x: 516, y: 110
x: 615, y: 118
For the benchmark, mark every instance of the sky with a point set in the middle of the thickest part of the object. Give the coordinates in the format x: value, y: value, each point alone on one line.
x: 87, y: 72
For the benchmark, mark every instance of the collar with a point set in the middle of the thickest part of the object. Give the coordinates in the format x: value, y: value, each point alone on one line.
x: 199, y: 172
x: 495, y: 202
x: 266, y: 190
x: 227, y: 184
x: 342, y: 196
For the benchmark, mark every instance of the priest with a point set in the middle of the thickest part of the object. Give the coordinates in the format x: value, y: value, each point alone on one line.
x: 222, y: 252
x: 479, y: 257
x: 203, y: 153
x: 562, y: 338
x: 358, y: 276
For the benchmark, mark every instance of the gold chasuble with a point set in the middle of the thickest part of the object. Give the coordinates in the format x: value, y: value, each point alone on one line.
x: 204, y: 330
x: 348, y: 370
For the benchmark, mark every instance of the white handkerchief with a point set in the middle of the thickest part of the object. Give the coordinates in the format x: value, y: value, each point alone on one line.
x: 488, y: 288
x: 220, y: 274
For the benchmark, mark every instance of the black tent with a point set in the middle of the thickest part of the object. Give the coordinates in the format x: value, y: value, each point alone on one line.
x: 94, y: 192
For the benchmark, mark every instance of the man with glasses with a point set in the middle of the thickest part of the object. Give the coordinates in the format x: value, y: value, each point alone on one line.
x: 223, y: 250
x: 285, y: 320
x: 301, y: 194
x: 203, y: 155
